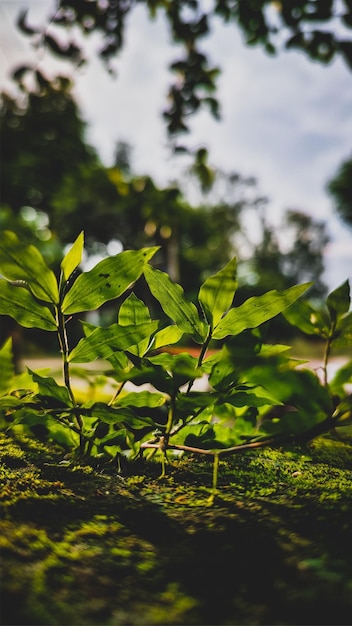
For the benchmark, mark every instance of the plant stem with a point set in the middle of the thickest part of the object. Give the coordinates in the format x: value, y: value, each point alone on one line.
x: 326, y: 360
x: 62, y: 335
x: 215, y: 476
x: 201, y: 356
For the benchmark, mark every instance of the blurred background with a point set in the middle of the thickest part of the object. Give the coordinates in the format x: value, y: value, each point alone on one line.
x: 212, y: 129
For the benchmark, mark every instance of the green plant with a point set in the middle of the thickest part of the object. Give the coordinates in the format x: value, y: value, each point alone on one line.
x: 256, y: 395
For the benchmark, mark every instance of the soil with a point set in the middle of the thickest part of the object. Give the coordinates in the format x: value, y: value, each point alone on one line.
x: 87, y: 544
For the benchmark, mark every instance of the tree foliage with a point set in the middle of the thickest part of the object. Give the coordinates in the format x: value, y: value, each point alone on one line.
x: 318, y: 28
x: 340, y: 188
x: 42, y: 141
x: 54, y: 185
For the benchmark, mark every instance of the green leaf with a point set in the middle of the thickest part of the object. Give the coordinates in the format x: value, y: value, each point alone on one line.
x: 342, y: 377
x: 338, y: 301
x: 19, y: 261
x: 134, y: 311
x: 171, y: 298
x: 142, y: 399
x: 244, y: 398
x: 109, y: 279
x: 7, y: 367
x: 146, y: 372
x: 49, y: 390
x: 167, y: 336
x: 104, y: 341
x: 217, y: 293
x: 73, y: 257
x: 257, y: 310
x: 18, y: 302
x: 302, y: 315
x: 343, y: 334
x: 112, y: 415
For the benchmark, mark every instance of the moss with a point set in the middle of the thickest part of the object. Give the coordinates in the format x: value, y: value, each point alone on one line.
x: 80, y: 546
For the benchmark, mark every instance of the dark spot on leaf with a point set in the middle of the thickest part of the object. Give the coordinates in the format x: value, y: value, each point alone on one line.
x: 107, y: 285
x: 104, y: 275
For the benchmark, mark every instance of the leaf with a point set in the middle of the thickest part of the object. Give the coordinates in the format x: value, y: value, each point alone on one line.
x: 244, y: 398
x: 171, y: 298
x: 342, y: 377
x: 7, y: 367
x: 48, y: 389
x: 146, y: 372
x: 109, y: 279
x: 134, y: 311
x: 167, y: 336
x: 257, y: 310
x: 142, y: 399
x: 343, y: 334
x: 338, y: 301
x: 217, y: 293
x: 73, y: 257
x: 302, y: 315
x: 19, y: 303
x: 112, y: 415
x: 104, y: 341
x: 20, y: 261
x: 204, y: 438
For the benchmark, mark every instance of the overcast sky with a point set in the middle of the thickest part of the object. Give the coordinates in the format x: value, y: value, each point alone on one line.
x: 286, y: 120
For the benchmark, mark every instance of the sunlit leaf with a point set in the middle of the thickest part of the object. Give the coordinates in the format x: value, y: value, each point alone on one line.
x: 167, y: 336
x: 109, y: 279
x: 73, y: 257
x: 342, y: 377
x: 119, y: 415
x: 170, y: 295
x: 104, y: 341
x: 338, y: 301
x: 20, y: 261
x: 49, y: 389
x: 309, y: 320
x: 134, y: 311
x: 142, y: 399
x: 18, y: 302
x: 343, y: 333
x: 257, y: 310
x: 249, y: 398
x: 7, y: 367
x: 217, y: 293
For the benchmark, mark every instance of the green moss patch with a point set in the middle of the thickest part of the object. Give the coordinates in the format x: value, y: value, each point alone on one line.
x: 86, y: 545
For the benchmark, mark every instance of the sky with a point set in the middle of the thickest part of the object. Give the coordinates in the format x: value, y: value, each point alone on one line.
x: 286, y: 120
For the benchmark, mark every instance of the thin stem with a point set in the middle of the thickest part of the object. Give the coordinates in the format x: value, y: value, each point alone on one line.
x: 326, y: 360
x: 170, y: 418
x: 215, y: 476
x: 117, y: 393
x: 201, y: 357
x: 62, y: 335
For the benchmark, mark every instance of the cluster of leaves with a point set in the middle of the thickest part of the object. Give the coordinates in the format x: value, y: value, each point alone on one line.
x: 255, y: 394
x: 306, y: 25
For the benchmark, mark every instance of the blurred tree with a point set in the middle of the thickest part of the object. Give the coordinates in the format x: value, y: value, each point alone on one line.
x: 42, y: 136
x: 55, y: 186
x: 318, y: 28
x: 340, y: 188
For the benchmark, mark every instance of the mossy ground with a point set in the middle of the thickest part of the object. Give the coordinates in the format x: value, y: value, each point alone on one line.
x: 83, y: 545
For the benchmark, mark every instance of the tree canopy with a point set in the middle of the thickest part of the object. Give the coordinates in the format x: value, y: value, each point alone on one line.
x: 317, y: 28
x: 340, y: 188
x: 55, y: 186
